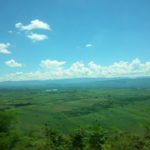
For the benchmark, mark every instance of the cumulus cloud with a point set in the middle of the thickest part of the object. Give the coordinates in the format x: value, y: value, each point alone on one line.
x: 53, y: 69
x: 34, y: 24
x: 4, y: 48
x: 13, y: 64
x: 37, y: 37
x: 88, y: 45
x: 78, y: 69
x: 51, y: 64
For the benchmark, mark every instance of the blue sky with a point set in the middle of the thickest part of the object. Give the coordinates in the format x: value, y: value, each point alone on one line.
x: 48, y: 39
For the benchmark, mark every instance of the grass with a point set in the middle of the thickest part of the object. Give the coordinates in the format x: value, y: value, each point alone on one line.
x: 115, y: 109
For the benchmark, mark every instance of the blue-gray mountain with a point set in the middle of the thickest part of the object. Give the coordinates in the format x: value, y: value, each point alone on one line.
x: 79, y: 83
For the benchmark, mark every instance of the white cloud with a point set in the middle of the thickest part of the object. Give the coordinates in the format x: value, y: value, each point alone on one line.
x: 34, y: 24
x: 53, y: 69
x: 37, y: 37
x: 51, y: 64
x: 4, y: 48
x: 78, y: 69
x: 13, y: 64
x: 88, y: 45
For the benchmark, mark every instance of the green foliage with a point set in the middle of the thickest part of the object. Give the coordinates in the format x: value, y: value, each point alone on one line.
x: 90, y: 138
x: 6, y: 119
x: 125, y: 141
x: 8, y: 136
x: 55, y: 139
x: 77, y: 139
x: 97, y: 138
x: 123, y: 110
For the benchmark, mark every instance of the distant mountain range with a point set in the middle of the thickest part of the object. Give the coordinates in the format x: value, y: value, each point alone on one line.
x: 79, y: 83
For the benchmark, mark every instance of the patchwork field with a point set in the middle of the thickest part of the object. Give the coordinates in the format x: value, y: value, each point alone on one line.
x: 115, y: 109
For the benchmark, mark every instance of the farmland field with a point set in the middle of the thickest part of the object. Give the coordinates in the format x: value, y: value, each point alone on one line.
x: 114, y: 109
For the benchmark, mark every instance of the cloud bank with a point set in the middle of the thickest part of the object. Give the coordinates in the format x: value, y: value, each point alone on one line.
x: 53, y: 69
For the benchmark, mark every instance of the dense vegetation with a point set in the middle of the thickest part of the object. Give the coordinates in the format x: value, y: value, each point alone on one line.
x: 91, y: 138
x: 83, y: 119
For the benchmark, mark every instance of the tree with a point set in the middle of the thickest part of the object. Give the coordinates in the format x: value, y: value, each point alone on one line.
x: 8, y: 137
x: 77, y: 140
x: 55, y: 139
x: 5, y: 121
x: 97, y: 138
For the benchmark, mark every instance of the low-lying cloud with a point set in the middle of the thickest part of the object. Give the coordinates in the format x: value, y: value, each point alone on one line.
x: 53, y: 69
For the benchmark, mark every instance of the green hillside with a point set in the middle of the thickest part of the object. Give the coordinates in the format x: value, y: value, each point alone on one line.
x: 115, y: 109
